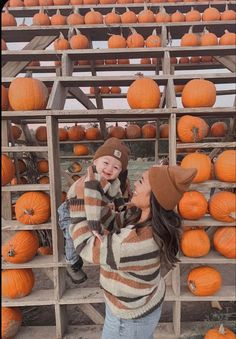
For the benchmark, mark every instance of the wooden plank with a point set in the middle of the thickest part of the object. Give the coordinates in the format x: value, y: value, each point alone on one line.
x: 37, y: 43
x: 172, y: 140
x: 211, y: 184
x: 61, y: 320
x: 92, y: 313
x: 226, y: 293
x: 25, y: 188
x: 99, y: 32
x: 24, y: 149
x: 35, y: 298
x: 78, y: 94
x: 207, y: 145
x: 207, y: 221
x: 177, y: 318
x: 16, y: 225
x: 57, y: 96
x: 213, y: 257
x: 228, y: 61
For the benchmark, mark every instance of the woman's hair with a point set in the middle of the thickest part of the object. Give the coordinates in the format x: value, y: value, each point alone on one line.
x: 123, y: 177
x: 166, y: 227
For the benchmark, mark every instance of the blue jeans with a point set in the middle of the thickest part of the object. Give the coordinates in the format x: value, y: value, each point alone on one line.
x: 64, y: 221
x: 118, y: 328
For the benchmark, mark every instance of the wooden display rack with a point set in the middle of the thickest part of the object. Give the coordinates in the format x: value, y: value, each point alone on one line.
x: 66, y: 86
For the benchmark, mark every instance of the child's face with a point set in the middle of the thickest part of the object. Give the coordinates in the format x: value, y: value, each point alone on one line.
x: 108, y: 167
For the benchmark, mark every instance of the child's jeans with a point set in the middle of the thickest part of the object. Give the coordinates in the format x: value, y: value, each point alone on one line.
x: 118, y: 328
x: 64, y: 221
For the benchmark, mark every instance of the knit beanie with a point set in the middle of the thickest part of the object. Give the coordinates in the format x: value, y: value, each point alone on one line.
x: 168, y: 183
x: 115, y: 148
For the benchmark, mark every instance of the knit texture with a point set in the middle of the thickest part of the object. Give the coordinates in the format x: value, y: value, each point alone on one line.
x: 129, y: 266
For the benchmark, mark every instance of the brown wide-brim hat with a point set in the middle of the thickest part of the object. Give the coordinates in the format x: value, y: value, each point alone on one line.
x: 168, y: 183
x: 115, y: 148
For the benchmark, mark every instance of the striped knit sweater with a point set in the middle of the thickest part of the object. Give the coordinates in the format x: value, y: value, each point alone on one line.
x: 129, y: 267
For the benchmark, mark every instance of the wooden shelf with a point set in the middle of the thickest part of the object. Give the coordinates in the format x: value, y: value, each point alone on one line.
x: 211, y: 184
x: 226, y: 293
x: 35, y: 298
x: 24, y: 149
x: 26, y: 188
x: 207, y: 221
x: 14, y: 225
x: 212, y: 257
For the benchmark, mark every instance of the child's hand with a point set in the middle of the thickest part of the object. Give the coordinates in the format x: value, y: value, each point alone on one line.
x: 111, y: 205
x: 99, y: 236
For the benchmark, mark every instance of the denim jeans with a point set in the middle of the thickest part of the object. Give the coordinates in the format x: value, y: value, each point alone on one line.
x: 118, y: 328
x: 64, y: 221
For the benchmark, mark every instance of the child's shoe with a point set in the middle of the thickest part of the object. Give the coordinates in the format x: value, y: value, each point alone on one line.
x: 76, y: 274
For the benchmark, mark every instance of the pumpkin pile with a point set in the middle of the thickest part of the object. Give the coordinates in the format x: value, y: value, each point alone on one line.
x: 204, y: 281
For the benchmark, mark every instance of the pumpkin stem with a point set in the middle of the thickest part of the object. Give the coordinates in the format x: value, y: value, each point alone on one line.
x: 233, y: 215
x: 28, y: 74
x: 29, y: 211
x: 61, y: 36
x: 154, y: 32
x: 190, y: 29
x: 133, y: 30
x: 192, y: 285
x: 58, y: 12
x: 11, y: 253
x: 221, y: 329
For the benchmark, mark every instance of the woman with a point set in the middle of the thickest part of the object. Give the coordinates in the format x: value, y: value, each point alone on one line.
x: 146, y: 237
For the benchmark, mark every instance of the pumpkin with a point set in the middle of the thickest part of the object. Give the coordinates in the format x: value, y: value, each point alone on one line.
x: 123, y: 61
x: 222, y: 206
x: 31, y: 3
x: 199, y: 93
x: 206, y: 58
x: 195, y: 59
x: 177, y: 16
x: 80, y: 150
x: 76, y: 133
x: 8, y: 19
x: 11, y: 321
x: 27, y: 94
x: 62, y: 134
x: 145, y: 61
x: 193, y: 15
x: 229, y: 38
x: 5, y: 101
x: 224, y: 241
x: 135, y: 40
x: 146, y: 15
x: 46, y: 3
x: 61, y: 43
x: 225, y: 166
x: 45, y: 250
x: 228, y: 14
x: 115, y: 90
x: 61, y: 2
x: 219, y: 129
x: 21, y: 181
x: 179, y: 88
x: 164, y: 131
x: 21, y: 247
x: 208, y: 39
x: 110, y: 62
x: 183, y: 60
x: 112, y: 18
x: 191, y: 129
x: 42, y: 166
x: 41, y: 133
x: 75, y: 167
x: 128, y: 17
x: 143, y: 93
x: 21, y: 165
x: 219, y: 333
x: 104, y: 2
x: 33, y: 208
x: 153, y: 40
x: 162, y: 16
x: 133, y: 131
x: 75, y: 18
x: 105, y: 90
x: 16, y: 3
x: 58, y: 19
x: 17, y: 283
x: 8, y: 169
x: 201, y: 162
x: 76, y: 2
x: 116, y: 41
x: 90, y: 2
x: 79, y: 41
x: 44, y: 180
x: 93, y: 133
x: 41, y: 18
x: 117, y: 132
x: 211, y: 14
x: 190, y: 39
x: 93, y: 17
x: 204, y: 281
x: 92, y: 90
x: 193, y: 205
x: 148, y: 131
x: 195, y: 243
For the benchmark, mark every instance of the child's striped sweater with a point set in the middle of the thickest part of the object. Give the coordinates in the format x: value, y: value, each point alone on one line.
x: 129, y: 267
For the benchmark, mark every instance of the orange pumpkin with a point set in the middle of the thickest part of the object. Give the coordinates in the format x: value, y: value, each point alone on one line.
x: 93, y: 133
x: 76, y: 133
x: 46, y: 3
x: 133, y: 131
x: 112, y: 18
x: 146, y: 15
x: 5, y: 101
x: 41, y: 18
x: 115, y: 90
x: 128, y: 17
x: 219, y: 333
x: 177, y: 16
x: 27, y: 94
x: 117, y: 132
x: 204, y: 281
x: 153, y: 40
x: 42, y: 166
x: 201, y: 162
x: 93, y: 17
x: 33, y: 208
x: 41, y: 133
x: 211, y: 14
x: 135, y: 40
x: 190, y: 39
x: 222, y: 206
x: 116, y: 41
x: 105, y: 90
x: 17, y: 283
x: 16, y: 3
x: 199, y: 93
x: 229, y: 38
x: 224, y: 241
x: 62, y: 134
x: 75, y: 18
x: 61, y: 43
x: 148, y: 131
x: 21, y: 247
x: 225, y: 166
x: 143, y: 93
x: 80, y: 150
x: 43, y: 180
x: 208, y: 39
x: 11, y: 321
x: 8, y: 169
x: 61, y: 2
x: 228, y: 14
x: 145, y: 61
x: 58, y: 19
x: 8, y: 19
x: 164, y: 131
x: 45, y: 250
x: 193, y: 15
x: 162, y: 16
x: 79, y: 41
x: 195, y: 243
x: 219, y: 129
x: 191, y: 129
x: 193, y: 205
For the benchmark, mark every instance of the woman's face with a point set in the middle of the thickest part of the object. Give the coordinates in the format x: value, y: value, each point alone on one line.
x: 142, y: 192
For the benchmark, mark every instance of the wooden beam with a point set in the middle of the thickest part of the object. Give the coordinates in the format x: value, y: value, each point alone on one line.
x: 228, y: 61
x: 92, y: 313
x: 12, y: 68
x: 81, y: 97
